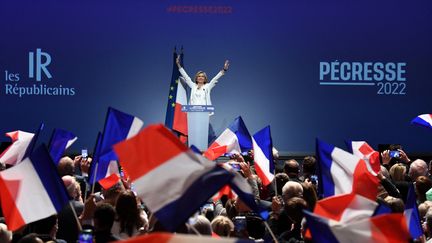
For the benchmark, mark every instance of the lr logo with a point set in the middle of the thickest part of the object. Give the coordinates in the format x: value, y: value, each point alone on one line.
x: 36, y: 63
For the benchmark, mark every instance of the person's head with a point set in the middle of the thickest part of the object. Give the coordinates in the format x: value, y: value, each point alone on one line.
x: 281, y: 179
x: 222, y: 226
x: 202, y: 225
x: 66, y: 166
x: 103, y: 217
x: 294, y: 208
x: 428, y: 221
x: 397, y: 172
x: 422, y: 185
x: 128, y: 212
x: 423, y: 208
x: 292, y: 189
x: 201, y: 77
x: 73, y: 187
x: 292, y: 168
x: 309, y: 163
x: 395, y: 204
x: 309, y: 194
x: 417, y: 168
x: 111, y: 194
x: 30, y: 238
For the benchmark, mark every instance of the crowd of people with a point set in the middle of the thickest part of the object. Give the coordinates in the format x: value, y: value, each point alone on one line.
x: 116, y: 213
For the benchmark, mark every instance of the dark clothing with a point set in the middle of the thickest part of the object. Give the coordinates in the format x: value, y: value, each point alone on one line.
x: 67, y: 225
x: 105, y: 236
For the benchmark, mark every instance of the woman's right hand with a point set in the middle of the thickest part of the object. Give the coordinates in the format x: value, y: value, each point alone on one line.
x: 178, y: 61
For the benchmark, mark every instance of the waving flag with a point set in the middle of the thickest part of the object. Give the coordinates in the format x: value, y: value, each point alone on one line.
x: 263, y: 155
x: 384, y: 228
x: 118, y: 127
x: 362, y: 150
x: 31, y: 190
x: 235, y: 139
x: 169, y: 177
x: 60, y: 141
x: 15, y: 152
x: 182, y: 238
x: 412, y: 215
x: 341, y: 172
x: 424, y: 120
x: 345, y: 208
x: 176, y: 119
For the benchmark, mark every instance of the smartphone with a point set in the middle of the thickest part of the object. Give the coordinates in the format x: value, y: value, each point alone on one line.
x: 236, y: 166
x: 394, y: 154
x: 209, y: 206
x: 240, y: 223
x: 85, y: 236
x: 84, y: 153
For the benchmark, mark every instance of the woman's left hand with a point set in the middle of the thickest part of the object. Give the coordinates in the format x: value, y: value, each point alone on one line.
x: 226, y: 65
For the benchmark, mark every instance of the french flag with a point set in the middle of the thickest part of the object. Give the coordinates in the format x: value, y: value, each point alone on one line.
x: 235, y: 139
x: 175, y: 118
x: 182, y: 238
x: 412, y: 215
x: 60, y: 141
x: 383, y: 228
x: 31, y: 190
x: 346, y: 208
x: 263, y: 155
x: 424, y: 120
x: 364, y: 151
x: 341, y: 172
x: 169, y: 177
x: 15, y: 152
x: 118, y: 127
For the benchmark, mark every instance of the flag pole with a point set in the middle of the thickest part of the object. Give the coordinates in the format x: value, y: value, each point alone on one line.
x: 94, y: 178
x: 193, y: 229
x: 275, y: 187
x: 271, y: 232
x: 76, y: 216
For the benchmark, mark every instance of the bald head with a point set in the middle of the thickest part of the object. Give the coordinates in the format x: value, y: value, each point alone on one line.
x: 292, y: 189
x: 418, y: 168
x: 292, y: 168
x: 66, y: 166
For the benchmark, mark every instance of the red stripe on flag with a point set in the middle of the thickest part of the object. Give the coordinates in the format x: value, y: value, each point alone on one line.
x: 364, y: 183
x: 262, y: 175
x: 331, y: 208
x: 8, y: 195
x: 109, y: 181
x: 149, y: 149
x: 390, y: 228
x: 180, y: 120
x: 215, y: 151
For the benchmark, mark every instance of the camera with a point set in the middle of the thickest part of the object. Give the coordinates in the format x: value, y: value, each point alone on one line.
x: 394, y: 154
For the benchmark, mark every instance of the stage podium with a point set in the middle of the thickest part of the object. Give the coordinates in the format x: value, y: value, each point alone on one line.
x: 198, y: 124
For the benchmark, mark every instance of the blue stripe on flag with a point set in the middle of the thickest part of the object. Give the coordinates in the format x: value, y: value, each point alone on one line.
x: 320, y: 229
x: 58, y: 143
x: 49, y: 177
x: 32, y: 144
x: 349, y: 146
x: 411, y: 213
x: 117, y: 126
x: 177, y: 212
x: 238, y: 127
x: 326, y: 186
x: 264, y: 141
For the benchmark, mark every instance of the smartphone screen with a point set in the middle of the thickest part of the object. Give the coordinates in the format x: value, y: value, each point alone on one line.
x: 394, y: 154
x: 84, y: 153
x: 240, y: 223
x: 85, y: 236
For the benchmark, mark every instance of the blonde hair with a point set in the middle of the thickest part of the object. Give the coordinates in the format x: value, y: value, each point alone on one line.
x: 205, y: 76
x: 397, y: 172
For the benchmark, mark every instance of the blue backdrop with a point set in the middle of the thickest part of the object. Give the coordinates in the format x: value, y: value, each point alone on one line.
x: 331, y: 69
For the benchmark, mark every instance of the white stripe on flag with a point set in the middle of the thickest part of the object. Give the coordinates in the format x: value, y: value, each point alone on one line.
x: 70, y: 142
x: 33, y: 202
x: 176, y: 175
x: 342, y: 170
x: 261, y: 160
x: 229, y: 139
x: 135, y: 127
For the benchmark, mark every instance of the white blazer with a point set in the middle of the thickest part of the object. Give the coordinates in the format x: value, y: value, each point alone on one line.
x: 200, y: 96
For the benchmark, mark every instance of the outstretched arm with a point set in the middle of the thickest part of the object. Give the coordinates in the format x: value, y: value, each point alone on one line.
x: 183, y: 73
x: 214, y: 80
